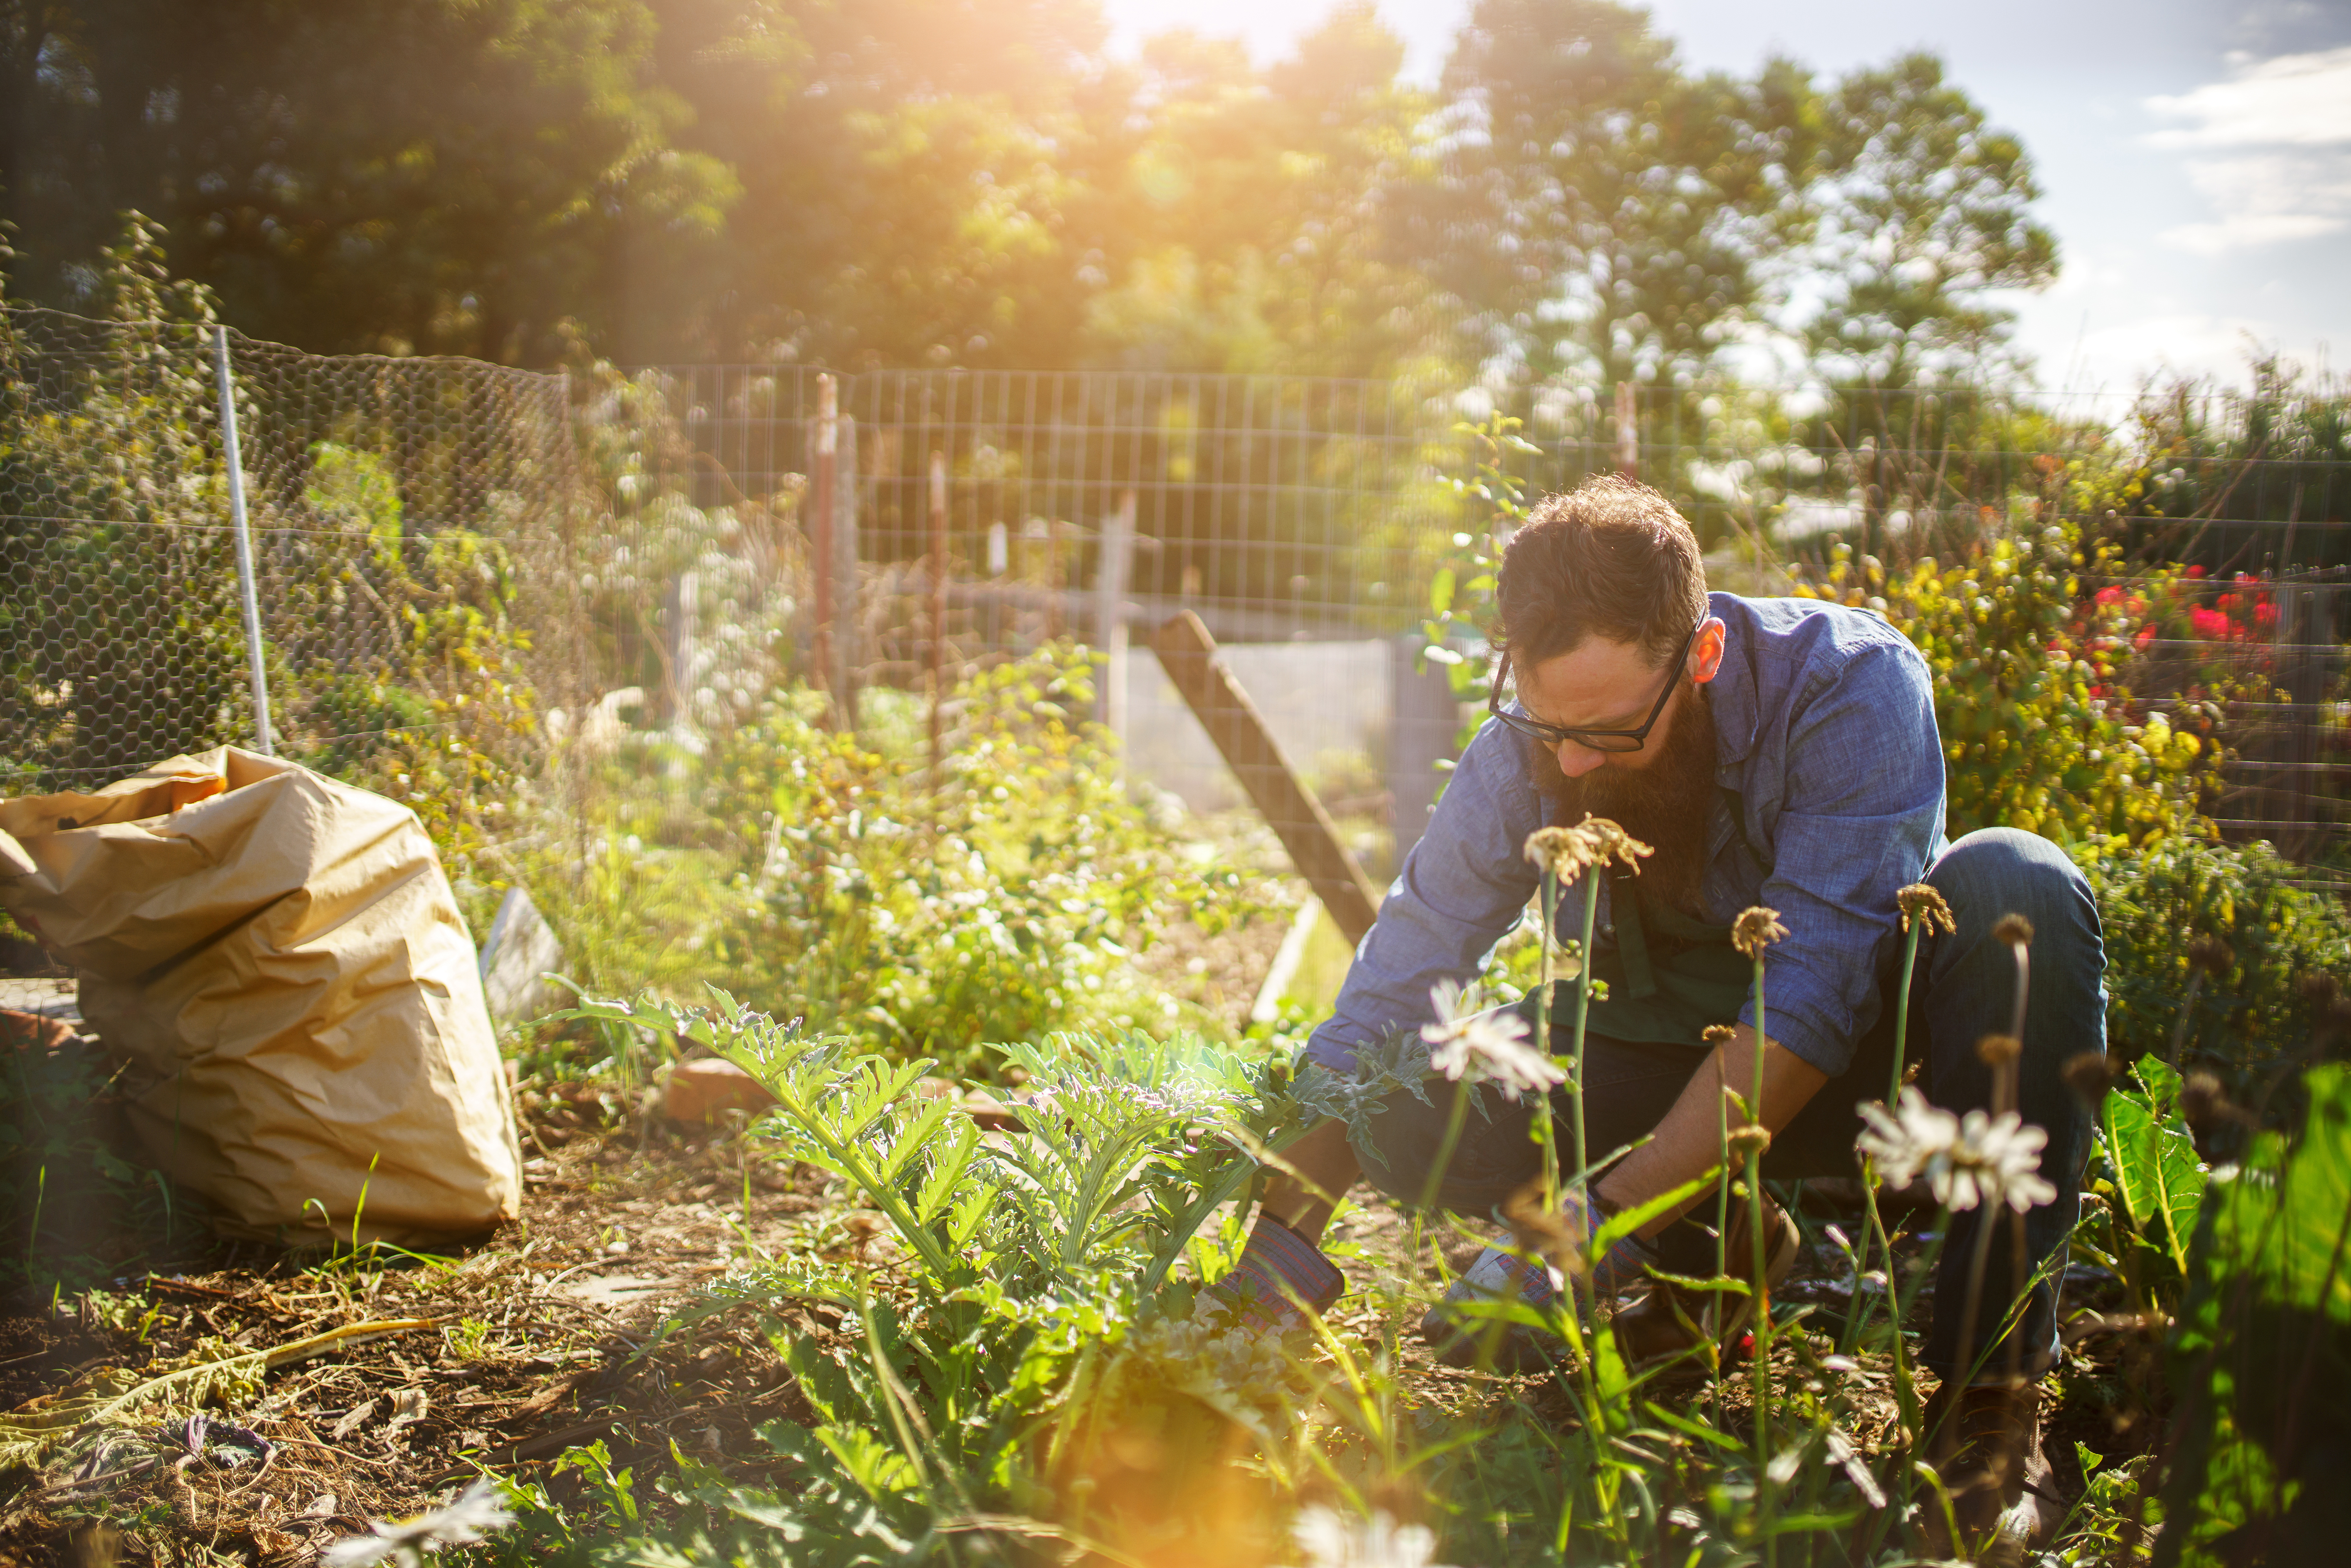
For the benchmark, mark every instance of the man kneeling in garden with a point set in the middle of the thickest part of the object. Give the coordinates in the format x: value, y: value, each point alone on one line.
x: 1773, y: 752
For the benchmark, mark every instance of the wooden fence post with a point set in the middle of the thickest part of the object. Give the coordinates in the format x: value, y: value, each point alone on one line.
x: 1110, y: 612
x: 819, y: 532
x: 939, y: 649
x: 1628, y: 430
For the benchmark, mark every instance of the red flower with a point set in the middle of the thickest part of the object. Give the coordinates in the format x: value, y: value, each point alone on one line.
x: 2210, y: 623
x: 2264, y: 614
x: 2195, y: 571
x: 2146, y: 635
x: 2110, y: 595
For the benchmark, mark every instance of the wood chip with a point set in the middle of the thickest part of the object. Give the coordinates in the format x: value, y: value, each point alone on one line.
x: 408, y: 1408
x: 352, y: 1420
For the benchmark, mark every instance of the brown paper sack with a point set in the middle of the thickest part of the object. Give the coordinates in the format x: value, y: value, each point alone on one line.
x: 280, y: 959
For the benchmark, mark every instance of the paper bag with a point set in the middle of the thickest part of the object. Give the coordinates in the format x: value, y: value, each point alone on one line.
x: 280, y: 959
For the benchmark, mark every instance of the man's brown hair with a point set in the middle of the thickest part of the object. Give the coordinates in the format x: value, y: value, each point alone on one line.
x: 1609, y: 558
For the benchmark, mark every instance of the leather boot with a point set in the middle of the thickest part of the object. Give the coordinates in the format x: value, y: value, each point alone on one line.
x: 1986, y: 1444
x: 1673, y: 1320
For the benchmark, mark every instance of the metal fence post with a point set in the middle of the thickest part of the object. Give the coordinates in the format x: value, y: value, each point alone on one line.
x: 264, y: 742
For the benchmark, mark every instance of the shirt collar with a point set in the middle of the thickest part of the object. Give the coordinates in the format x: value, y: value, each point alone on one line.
x: 1732, y: 695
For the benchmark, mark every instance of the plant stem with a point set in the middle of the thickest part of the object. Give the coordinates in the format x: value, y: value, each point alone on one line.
x: 1583, y: 1011
x: 1902, y: 1011
x: 1543, y: 1043
x: 1453, y: 1123
x: 1760, y: 1367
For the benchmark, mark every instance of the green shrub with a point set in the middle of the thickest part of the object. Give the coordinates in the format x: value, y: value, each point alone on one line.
x: 817, y: 878
x: 2281, y: 942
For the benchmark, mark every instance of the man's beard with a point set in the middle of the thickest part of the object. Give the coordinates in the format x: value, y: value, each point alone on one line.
x: 1664, y: 805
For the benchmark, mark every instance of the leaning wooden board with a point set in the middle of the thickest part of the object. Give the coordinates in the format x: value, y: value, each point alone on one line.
x: 1187, y: 653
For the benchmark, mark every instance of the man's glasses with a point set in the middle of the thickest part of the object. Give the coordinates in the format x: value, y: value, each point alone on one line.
x: 1596, y: 740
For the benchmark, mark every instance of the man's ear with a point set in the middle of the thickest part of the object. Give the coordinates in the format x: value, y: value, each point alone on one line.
x: 1706, y: 654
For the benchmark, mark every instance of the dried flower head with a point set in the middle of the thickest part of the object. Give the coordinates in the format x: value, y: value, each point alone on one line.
x: 478, y: 1511
x: 1756, y: 929
x: 2091, y: 1075
x: 1921, y: 903
x: 1717, y: 1033
x: 1750, y: 1141
x: 1999, y: 1049
x: 2202, y: 1101
x: 2014, y: 930
x: 2212, y: 956
x: 1568, y: 852
x: 1488, y: 1048
x: 1975, y: 1159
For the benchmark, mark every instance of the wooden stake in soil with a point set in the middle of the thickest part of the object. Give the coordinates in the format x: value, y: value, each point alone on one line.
x: 1189, y: 654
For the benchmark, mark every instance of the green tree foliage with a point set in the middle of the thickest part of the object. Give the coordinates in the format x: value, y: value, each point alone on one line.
x: 422, y: 174
x: 1923, y: 213
x: 1597, y: 208
x: 940, y: 182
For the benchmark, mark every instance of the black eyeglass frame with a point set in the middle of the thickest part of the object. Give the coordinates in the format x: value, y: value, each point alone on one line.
x: 1618, y: 740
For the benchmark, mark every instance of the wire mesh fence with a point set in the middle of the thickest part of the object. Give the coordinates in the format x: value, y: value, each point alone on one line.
x: 469, y: 577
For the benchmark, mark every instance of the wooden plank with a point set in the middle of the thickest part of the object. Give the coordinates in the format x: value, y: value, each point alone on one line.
x: 1189, y: 654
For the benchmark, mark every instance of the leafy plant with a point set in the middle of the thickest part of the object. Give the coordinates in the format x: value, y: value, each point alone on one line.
x: 2262, y: 1357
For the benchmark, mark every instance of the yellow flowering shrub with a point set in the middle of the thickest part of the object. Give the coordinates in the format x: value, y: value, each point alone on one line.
x: 2038, y: 731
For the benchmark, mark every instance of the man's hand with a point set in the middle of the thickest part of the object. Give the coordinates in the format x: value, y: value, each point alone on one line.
x: 1688, y: 1142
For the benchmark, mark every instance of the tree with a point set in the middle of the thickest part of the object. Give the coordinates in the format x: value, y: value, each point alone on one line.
x: 1600, y: 213
x: 1924, y: 207
x: 417, y: 174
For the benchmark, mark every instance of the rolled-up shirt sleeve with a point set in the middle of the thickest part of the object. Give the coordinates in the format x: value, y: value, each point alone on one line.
x: 1460, y: 891
x: 1862, y: 813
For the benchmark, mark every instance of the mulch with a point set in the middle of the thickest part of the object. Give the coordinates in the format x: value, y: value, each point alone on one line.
x: 545, y: 1337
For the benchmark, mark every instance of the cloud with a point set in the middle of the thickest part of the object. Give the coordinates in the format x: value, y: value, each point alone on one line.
x: 2294, y: 100
x: 2282, y: 129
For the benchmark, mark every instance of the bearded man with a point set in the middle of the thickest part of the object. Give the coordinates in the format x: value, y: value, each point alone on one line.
x: 1775, y: 752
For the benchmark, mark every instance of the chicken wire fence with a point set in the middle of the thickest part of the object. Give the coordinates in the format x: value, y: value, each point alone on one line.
x: 409, y: 535
x: 455, y: 561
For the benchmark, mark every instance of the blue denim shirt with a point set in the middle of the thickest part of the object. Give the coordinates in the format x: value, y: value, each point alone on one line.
x: 1824, y: 732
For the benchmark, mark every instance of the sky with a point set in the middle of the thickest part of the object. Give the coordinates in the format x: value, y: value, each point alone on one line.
x: 2194, y: 155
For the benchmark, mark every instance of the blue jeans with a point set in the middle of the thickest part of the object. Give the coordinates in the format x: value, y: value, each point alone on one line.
x: 1964, y: 987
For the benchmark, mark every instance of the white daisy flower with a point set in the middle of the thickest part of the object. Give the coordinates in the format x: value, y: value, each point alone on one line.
x: 1976, y: 1159
x: 1332, y: 1540
x: 478, y: 1511
x: 1488, y: 1048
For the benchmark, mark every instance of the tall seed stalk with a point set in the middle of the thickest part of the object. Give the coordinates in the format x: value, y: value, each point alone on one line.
x: 1755, y: 930
x: 1576, y: 852
x: 1921, y: 911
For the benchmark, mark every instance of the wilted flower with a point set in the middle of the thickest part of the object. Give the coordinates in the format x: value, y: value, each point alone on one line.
x: 1569, y: 853
x: 1922, y: 903
x: 478, y: 1511
x: 1999, y: 1049
x: 1332, y: 1540
x: 1490, y: 1046
x: 1976, y: 1159
x: 2091, y: 1075
x: 2014, y: 930
x: 2212, y: 956
x: 1756, y: 929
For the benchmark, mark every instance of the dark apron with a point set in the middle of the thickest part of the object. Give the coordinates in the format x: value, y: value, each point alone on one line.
x: 1669, y: 975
